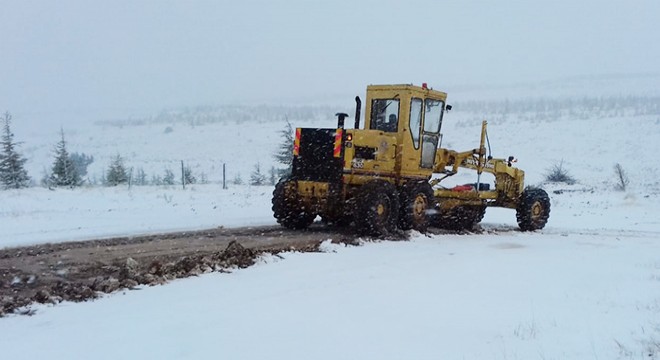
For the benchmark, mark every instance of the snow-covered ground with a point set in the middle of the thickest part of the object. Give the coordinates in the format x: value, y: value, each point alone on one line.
x: 40, y: 215
x: 585, y: 287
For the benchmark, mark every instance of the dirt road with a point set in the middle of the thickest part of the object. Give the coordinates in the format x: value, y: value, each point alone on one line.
x: 77, y: 271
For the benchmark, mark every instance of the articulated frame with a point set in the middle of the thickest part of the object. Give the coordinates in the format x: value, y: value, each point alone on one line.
x: 509, y: 180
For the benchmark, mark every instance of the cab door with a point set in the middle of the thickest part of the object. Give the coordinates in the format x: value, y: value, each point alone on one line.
x: 433, y: 110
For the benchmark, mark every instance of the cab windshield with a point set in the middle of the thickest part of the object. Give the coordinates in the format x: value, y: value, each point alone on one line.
x: 385, y: 115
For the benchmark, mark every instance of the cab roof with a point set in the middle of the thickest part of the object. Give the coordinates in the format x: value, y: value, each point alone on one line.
x: 407, y: 87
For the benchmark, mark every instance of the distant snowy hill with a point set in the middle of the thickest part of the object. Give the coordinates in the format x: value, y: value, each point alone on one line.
x: 586, y: 286
x: 587, y: 134
x: 590, y: 123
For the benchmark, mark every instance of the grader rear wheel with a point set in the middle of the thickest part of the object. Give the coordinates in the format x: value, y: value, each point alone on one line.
x: 287, y: 207
x: 377, y: 209
x: 416, y: 202
x: 533, y: 210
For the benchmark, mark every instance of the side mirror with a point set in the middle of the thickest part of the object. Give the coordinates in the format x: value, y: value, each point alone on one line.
x: 448, y: 107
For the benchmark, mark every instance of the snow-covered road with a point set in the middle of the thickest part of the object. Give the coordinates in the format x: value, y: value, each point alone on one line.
x: 506, y: 295
x: 587, y: 286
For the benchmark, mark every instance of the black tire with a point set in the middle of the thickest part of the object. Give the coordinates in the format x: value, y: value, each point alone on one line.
x: 417, y: 201
x: 376, y: 208
x: 461, y: 218
x: 287, y: 208
x: 477, y: 214
x: 533, y: 210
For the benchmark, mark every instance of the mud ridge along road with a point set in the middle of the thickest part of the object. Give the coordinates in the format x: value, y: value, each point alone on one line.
x: 77, y: 271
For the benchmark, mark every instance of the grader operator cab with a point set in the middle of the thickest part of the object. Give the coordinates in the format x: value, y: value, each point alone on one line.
x: 389, y: 174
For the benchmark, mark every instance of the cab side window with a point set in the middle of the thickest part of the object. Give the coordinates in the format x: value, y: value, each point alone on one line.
x: 433, y: 117
x: 415, y: 120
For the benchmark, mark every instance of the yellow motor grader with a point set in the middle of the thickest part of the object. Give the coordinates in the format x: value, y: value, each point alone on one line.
x: 389, y: 174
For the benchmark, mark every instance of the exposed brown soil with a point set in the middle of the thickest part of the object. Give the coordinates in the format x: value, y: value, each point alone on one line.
x: 78, y: 271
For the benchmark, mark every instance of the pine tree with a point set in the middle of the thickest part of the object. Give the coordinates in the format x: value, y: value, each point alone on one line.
x: 81, y: 162
x: 188, y: 175
x: 116, y: 172
x: 237, y: 180
x: 284, y: 154
x: 257, y: 177
x: 140, y: 177
x: 156, y: 180
x: 12, y: 165
x: 45, y: 178
x: 203, y: 179
x: 272, y: 179
x: 168, y: 179
x: 64, y: 172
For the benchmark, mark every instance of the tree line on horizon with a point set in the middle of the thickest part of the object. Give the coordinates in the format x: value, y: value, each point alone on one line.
x: 575, y: 107
x: 70, y: 169
x: 203, y: 115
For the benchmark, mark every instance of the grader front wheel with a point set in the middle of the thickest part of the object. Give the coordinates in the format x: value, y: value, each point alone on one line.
x: 533, y: 210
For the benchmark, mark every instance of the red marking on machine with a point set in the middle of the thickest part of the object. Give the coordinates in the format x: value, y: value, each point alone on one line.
x: 296, y: 142
x: 338, y: 136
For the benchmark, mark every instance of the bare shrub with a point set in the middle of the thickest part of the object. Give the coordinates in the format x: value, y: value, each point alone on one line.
x: 558, y: 174
x: 621, y: 177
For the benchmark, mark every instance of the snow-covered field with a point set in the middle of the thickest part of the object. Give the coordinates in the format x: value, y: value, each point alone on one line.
x: 40, y: 215
x: 585, y: 287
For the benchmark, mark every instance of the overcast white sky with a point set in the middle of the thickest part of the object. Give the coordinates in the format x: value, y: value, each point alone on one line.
x: 122, y: 57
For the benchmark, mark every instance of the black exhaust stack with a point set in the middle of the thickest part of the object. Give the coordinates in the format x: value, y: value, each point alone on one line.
x: 358, y: 105
x: 340, y: 119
